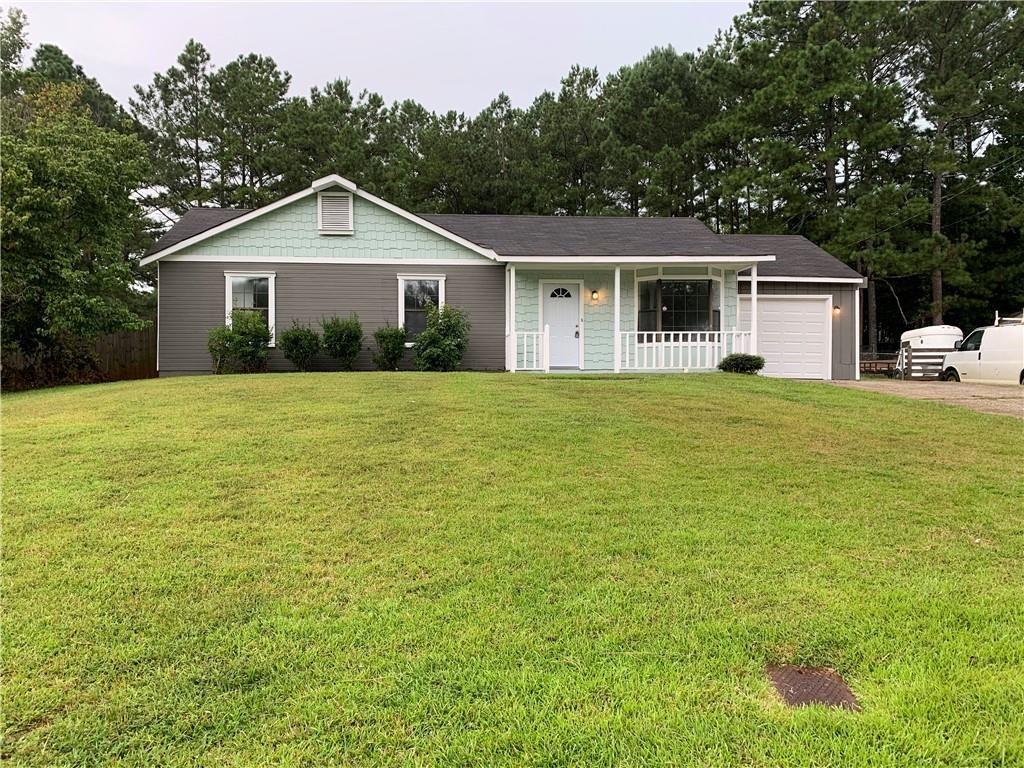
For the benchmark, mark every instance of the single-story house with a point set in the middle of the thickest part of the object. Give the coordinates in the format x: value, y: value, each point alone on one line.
x: 594, y: 293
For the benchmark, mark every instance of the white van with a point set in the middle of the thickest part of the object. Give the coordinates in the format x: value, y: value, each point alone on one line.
x: 993, y: 354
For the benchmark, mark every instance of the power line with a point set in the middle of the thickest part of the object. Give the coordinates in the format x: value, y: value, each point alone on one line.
x: 945, y: 200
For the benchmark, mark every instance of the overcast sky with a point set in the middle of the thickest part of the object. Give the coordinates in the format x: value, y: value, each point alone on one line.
x: 446, y: 56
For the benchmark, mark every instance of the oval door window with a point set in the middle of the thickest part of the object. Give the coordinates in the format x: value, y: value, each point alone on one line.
x: 561, y: 293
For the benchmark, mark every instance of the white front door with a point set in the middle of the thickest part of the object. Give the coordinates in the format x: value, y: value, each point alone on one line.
x: 562, y: 316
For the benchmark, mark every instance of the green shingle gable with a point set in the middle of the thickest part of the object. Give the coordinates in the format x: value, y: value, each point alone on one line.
x: 291, y: 231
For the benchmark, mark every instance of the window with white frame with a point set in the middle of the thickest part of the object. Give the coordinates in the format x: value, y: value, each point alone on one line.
x: 675, y: 305
x: 415, y: 294
x: 250, y: 292
x: 335, y: 213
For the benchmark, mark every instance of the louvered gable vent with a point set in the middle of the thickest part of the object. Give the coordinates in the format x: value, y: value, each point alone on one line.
x: 335, y: 214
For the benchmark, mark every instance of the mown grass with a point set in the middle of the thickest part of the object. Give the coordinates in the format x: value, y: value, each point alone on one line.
x: 409, y: 569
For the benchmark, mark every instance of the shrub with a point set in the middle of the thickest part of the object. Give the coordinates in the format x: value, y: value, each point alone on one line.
x: 342, y: 339
x: 299, y: 344
x: 737, y: 363
x: 221, y: 343
x: 390, y: 347
x: 242, y: 348
x: 442, y: 344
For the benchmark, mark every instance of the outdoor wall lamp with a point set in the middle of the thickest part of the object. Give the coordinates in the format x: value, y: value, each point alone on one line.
x: 593, y: 295
x: 835, y: 310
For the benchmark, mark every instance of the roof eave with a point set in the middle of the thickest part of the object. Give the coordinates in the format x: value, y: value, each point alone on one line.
x: 731, y: 258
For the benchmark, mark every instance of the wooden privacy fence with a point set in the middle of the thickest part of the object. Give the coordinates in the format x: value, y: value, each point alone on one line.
x: 128, y: 354
x: 119, y: 356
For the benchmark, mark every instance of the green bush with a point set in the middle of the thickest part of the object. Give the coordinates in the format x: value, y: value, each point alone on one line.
x: 242, y: 348
x: 342, y: 339
x: 442, y: 344
x: 300, y: 344
x: 221, y: 343
x: 737, y: 363
x: 390, y: 348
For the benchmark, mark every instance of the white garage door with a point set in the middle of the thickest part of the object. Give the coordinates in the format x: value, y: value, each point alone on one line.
x: 794, y: 334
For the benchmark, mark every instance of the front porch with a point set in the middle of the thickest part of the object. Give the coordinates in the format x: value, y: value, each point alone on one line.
x: 676, y: 317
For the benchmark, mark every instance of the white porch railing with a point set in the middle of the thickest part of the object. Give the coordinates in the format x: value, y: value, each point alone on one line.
x: 529, y: 350
x: 679, y: 350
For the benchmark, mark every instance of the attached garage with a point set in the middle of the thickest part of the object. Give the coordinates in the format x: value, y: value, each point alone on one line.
x: 808, y: 318
x: 794, y: 334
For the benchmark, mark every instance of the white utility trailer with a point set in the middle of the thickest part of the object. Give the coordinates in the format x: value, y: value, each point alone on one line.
x: 922, y: 350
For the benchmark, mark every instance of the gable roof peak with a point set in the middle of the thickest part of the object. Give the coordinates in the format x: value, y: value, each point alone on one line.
x: 334, y: 180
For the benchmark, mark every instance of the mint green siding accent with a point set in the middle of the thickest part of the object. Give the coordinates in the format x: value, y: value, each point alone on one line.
x: 598, y: 316
x: 291, y: 231
x: 730, y: 308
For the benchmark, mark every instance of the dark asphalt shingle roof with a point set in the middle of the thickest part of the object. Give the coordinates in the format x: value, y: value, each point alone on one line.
x: 795, y: 256
x: 194, y: 221
x: 582, y: 236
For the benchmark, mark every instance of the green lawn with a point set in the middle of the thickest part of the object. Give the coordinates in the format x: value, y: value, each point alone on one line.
x: 415, y: 569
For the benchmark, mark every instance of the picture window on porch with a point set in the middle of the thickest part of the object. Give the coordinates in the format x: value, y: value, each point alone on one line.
x: 675, y: 305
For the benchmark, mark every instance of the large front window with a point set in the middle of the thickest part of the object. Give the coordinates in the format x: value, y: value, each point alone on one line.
x: 250, y: 293
x: 675, y: 305
x: 416, y: 293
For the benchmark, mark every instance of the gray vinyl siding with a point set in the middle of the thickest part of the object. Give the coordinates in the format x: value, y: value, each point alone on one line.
x: 192, y: 302
x: 844, y: 328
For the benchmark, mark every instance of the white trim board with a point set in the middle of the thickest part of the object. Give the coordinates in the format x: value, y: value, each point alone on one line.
x: 586, y: 262
x: 776, y: 279
x: 316, y: 187
x: 249, y: 259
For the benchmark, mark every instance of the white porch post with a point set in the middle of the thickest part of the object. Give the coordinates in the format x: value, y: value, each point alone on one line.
x: 617, y: 340
x: 508, y: 337
x: 506, y: 300
x: 513, y: 346
x: 753, y: 309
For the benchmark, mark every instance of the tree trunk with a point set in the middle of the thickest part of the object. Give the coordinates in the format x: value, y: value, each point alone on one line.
x: 936, y: 230
x: 830, y: 164
x: 872, y: 313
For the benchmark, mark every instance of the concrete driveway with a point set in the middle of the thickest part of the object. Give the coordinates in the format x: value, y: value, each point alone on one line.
x: 1005, y: 400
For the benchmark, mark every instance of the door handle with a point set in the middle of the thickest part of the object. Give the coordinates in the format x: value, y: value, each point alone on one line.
x: 577, y: 334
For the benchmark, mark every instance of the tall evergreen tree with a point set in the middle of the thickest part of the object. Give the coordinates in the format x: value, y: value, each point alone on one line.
x: 51, y: 65
x: 962, y: 54
x: 572, y: 133
x: 174, y: 112
x: 247, y: 97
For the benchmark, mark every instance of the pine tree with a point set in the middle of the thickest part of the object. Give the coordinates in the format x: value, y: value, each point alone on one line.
x: 174, y: 112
